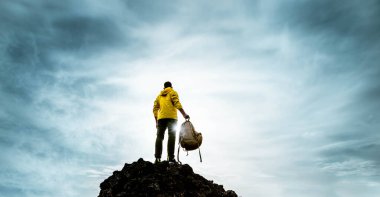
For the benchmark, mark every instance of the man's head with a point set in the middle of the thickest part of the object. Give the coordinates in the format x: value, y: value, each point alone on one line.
x: 167, y: 84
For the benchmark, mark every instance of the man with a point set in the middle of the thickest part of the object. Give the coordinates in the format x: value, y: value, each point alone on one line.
x: 165, y: 113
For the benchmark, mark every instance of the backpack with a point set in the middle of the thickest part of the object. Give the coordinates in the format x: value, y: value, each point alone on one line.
x: 189, y: 139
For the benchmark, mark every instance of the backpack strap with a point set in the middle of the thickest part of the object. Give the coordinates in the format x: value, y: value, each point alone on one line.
x: 200, y: 155
x: 179, y: 146
x: 196, y: 139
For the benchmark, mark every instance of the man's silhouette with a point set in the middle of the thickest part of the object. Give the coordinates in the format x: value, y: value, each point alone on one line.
x: 165, y: 113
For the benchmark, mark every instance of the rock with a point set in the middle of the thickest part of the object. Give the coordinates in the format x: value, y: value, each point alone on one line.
x: 143, y: 178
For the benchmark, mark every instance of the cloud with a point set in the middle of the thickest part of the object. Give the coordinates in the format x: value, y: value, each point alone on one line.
x: 44, y: 141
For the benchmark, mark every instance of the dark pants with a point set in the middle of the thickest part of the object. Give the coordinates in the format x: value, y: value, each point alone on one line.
x: 161, y: 127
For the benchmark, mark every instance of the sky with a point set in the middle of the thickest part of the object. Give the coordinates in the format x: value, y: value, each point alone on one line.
x: 285, y: 93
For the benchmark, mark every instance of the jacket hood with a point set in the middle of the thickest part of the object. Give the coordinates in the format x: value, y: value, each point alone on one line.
x: 166, y: 91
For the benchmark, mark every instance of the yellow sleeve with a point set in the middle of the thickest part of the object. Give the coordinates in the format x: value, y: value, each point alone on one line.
x: 156, y: 107
x: 175, y: 100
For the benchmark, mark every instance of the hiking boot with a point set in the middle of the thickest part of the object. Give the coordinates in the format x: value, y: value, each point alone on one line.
x: 158, y: 160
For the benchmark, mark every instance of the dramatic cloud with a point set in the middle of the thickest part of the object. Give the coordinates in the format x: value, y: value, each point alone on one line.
x: 286, y: 93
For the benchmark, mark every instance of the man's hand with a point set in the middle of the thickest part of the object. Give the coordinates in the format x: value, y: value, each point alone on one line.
x: 186, y: 116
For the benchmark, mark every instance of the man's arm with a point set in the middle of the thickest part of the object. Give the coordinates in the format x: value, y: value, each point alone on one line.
x: 156, y: 107
x: 177, y: 104
x: 185, y: 116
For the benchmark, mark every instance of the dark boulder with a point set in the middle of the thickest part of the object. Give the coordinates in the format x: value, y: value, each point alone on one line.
x: 143, y: 178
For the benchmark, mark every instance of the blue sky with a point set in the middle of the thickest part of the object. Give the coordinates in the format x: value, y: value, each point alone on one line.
x: 285, y: 93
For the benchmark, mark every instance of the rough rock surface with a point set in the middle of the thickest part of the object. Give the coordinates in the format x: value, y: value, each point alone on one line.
x: 143, y: 178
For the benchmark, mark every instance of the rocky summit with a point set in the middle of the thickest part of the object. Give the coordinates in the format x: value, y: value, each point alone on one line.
x: 164, y: 179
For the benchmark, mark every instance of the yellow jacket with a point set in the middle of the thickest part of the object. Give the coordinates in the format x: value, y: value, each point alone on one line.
x: 166, y: 104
